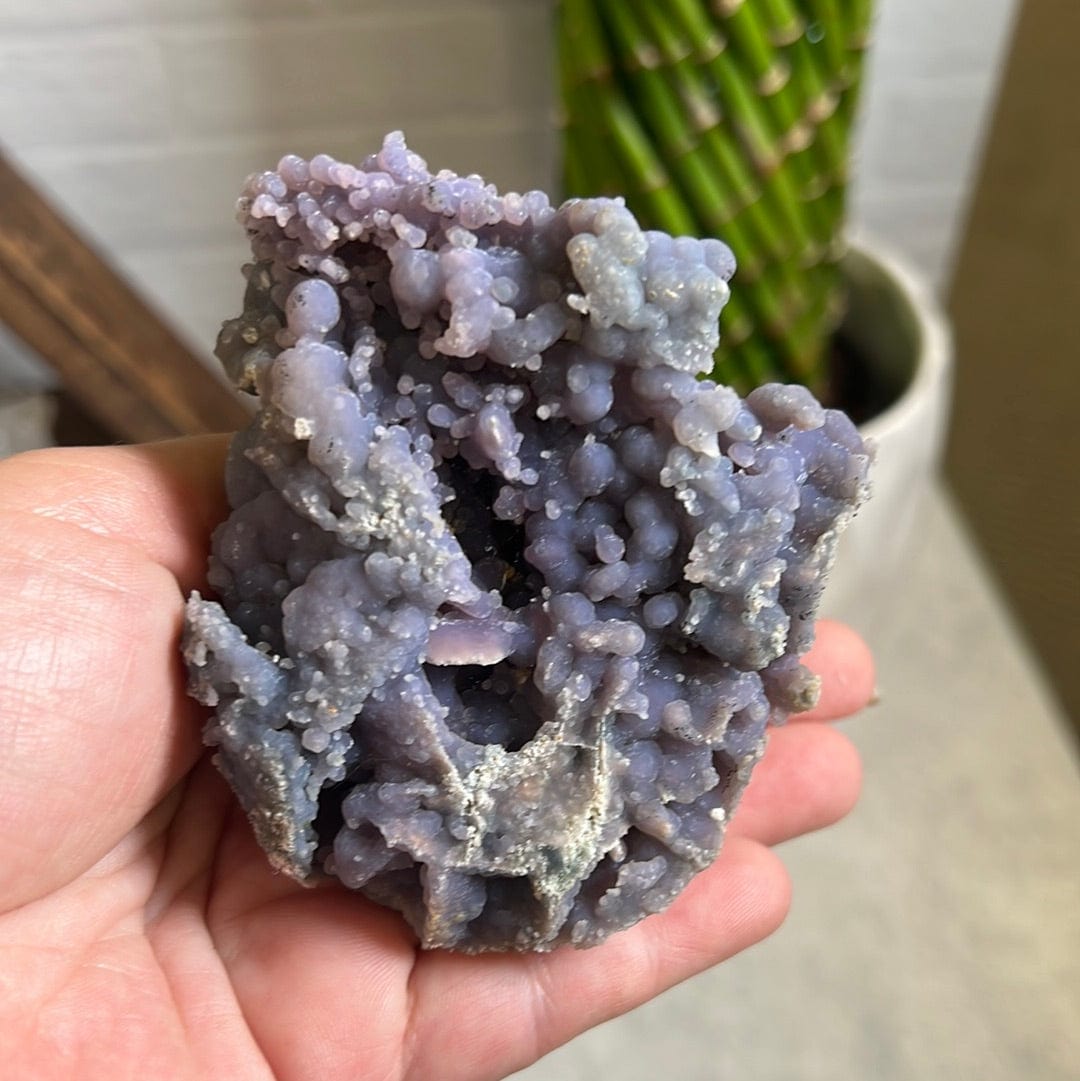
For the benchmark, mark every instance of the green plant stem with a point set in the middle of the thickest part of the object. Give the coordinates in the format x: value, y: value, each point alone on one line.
x: 724, y: 117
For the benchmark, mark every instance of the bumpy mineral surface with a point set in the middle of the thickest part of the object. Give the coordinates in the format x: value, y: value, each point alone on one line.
x: 508, y: 592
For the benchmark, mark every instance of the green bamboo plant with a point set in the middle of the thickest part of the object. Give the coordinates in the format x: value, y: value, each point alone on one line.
x: 726, y: 118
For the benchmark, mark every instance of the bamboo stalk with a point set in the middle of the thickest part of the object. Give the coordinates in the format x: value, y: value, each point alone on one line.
x: 857, y: 34
x: 630, y: 152
x: 773, y: 85
x: 857, y: 15
x: 827, y: 17
x: 698, y: 41
x: 639, y: 159
x: 666, y: 120
x: 785, y: 22
x: 723, y: 117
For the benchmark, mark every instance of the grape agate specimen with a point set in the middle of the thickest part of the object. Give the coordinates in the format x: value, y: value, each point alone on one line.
x: 508, y: 592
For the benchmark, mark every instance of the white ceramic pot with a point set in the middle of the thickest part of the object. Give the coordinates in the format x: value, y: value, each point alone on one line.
x: 897, y: 330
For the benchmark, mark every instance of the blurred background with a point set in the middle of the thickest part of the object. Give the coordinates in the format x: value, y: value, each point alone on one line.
x: 937, y: 932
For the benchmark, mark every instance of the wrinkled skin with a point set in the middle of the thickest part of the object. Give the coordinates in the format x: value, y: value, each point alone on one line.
x: 142, y: 933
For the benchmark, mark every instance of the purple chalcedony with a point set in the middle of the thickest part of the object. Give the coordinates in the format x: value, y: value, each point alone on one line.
x: 508, y: 591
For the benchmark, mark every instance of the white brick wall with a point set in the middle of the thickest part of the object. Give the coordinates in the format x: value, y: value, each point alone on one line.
x: 931, y: 83
x: 78, y: 90
x: 142, y: 116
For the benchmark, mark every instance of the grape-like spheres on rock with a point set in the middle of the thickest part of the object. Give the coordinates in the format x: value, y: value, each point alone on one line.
x: 508, y: 592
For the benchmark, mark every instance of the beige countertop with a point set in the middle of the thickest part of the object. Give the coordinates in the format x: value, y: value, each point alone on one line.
x: 935, y: 934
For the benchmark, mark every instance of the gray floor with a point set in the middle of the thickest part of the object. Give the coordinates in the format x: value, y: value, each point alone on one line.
x: 25, y: 421
x: 935, y: 934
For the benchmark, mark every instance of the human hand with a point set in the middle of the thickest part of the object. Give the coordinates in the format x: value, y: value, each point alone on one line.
x: 142, y: 932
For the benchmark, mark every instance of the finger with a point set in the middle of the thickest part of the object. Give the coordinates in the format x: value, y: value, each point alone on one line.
x: 162, y: 498
x: 94, y: 724
x: 514, y: 1009
x: 93, y: 720
x: 845, y: 665
x: 325, y: 962
x: 809, y: 778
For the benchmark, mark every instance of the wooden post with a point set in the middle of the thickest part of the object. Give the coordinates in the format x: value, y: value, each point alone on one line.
x: 115, y: 356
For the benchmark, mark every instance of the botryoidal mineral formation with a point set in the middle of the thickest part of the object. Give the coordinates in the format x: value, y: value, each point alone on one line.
x: 508, y: 591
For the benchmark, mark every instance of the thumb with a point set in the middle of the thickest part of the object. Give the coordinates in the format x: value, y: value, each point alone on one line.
x: 94, y: 725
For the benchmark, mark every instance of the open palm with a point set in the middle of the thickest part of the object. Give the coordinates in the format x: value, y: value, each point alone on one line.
x: 142, y: 933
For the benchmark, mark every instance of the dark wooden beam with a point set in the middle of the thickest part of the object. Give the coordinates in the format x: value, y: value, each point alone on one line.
x: 114, y: 354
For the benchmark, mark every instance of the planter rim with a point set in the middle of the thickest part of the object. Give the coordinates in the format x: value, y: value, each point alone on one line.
x: 897, y: 326
x: 933, y: 338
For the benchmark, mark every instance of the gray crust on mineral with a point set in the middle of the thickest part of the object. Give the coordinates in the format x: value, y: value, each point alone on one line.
x: 508, y: 592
